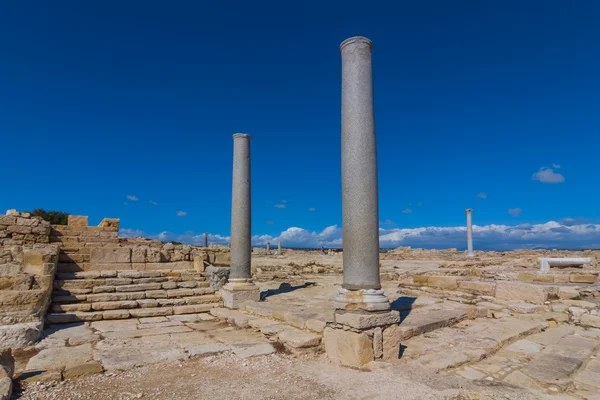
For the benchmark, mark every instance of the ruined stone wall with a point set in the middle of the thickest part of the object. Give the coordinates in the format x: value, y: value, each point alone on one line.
x: 26, y: 280
x: 96, y: 248
x: 22, y: 229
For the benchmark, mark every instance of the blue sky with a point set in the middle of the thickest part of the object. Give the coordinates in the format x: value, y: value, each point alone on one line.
x: 105, y: 100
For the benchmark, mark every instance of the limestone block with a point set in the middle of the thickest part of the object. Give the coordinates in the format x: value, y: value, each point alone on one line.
x: 526, y: 277
x: 77, y: 220
x: 103, y: 289
x: 235, y: 298
x: 110, y: 255
x: 129, y: 274
x: 531, y: 293
x: 139, y: 287
x: 524, y: 308
x: 19, y: 335
x: 18, y: 229
x: 5, y: 388
x: 156, y: 294
x: 93, y: 298
x: 218, y: 276
x: 478, y: 287
x: 378, y: 342
x: 7, y: 220
x: 315, y: 325
x: 568, y: 292
x: 348, y: 348
x: 297, y: 338
x: 115, y: 314
x: 87, y: 368
x: 138, y: 254
x: 148, y: 303
x: 366, y: 319
x: 118, y: 281
x: 582, y: 278
x: 153, y: 255
x: 179, y: 293
x: 151, y: 312
x: 222, y: 259
x: 199, y: 263
x: 589, y: 320
x: 443, y: 282
x: 112, y: 223
x: 114, y: 305
x: 55, y: 358
x: 169, y: 285
x: 544, y: 278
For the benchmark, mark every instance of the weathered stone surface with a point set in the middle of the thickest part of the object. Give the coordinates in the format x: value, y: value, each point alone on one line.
x: 110, y: 255
x: 590, y: 320
x: 151, y: 312
x: 525, y: 346
x: 207, y: 349
x: 234, y: 299
x: 217, y: 276
x: 88, y: 368
x: 315, y: 325
x: 582, y: 278
x: 443, y: 282
x: 179, y: 293
x: 524, y: 308
x: 196, y: 308
x: 253, y: 350
x: 348, y: 348
x: 365, y: 319
x: 528, y: 292
x: 19, y: 335
x: 589, y: 377
x: 478, y: 287
x: 138, y: 287
x: 77, y: 221
x: 114, y: 305
x: 138, y: 333
x: 99, y: 298
x: 297, y: 338
x: 5, y: 388
x: 57, y: 358
x: 568, y: 292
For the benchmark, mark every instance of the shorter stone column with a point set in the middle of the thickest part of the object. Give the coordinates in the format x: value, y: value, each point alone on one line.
x: 205, y: 239
x: 279, y: 247
x: 268, y: 247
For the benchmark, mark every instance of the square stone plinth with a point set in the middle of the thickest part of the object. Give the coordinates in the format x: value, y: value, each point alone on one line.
x: 233, y: 298
x: 348, y: 348
x: 366, y: 319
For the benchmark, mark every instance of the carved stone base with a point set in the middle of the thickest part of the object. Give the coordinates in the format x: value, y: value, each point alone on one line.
x: 238, y: 291
x: 363, y: 299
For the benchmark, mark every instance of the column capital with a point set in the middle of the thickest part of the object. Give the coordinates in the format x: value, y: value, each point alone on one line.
x: 241, y: 135
x: 356, y: 39
x: 468, y: 210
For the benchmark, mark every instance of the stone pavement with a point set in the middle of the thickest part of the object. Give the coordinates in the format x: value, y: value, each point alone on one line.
x: 68, y: 351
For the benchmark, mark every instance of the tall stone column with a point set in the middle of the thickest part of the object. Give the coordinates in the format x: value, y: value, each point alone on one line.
x: 240, y: 287
x: 279, y: 247
x: 361, y: 288
x: 469, y: 212
x: 268, y: 247
x: 362, y: 316
x: 205, y: 239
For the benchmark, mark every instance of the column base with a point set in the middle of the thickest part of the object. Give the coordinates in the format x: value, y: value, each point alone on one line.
x: 363, y: 299
x: 238, y: 291
x: 356, y: 337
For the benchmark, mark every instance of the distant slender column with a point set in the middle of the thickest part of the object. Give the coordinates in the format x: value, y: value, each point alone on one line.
x: 240, y: 287
x: 279, y: 247
x: 205, y: 239
x: 361, y: 288
x: 268, y: 247
x: 469, y: 212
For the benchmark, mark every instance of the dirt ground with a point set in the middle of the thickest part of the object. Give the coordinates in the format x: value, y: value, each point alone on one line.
x: 276, y: 376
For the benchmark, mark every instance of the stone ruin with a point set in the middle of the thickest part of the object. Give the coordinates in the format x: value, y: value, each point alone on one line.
x: 78, y: 300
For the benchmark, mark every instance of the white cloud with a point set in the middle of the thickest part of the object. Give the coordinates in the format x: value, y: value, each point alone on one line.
x: 556, y: 166
x: 547, y: 175
x: 279, y: 206
x: 386, y: 222
x: 153, y: 203
x: 565, y: 234
x: 270, y: 223
x: 181, y: 213
x: 407, y: 211
x: 312, y: 209
x: 515, y: 212
x: 132, y: 197
x: 481, y: 195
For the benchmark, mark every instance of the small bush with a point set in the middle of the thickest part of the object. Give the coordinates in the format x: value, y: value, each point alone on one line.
x: 54, y: 217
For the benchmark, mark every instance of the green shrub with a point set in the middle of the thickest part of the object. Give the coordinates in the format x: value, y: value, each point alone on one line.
x: 54, y: 217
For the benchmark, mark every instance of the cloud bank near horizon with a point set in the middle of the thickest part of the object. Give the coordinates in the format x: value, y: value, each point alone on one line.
x: 566, y: 234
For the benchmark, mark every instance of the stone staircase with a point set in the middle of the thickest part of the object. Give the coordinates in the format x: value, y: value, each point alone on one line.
x: 121, y: 294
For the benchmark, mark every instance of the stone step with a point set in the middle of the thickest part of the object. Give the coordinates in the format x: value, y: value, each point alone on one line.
x: 130, y: 274
x: 298, y: 319
x: 68, y: 297
x: 65, y: 318
x: 129, y: 304
x: 463, y: 343
x: 295, y: 340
